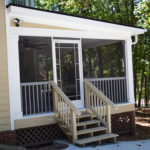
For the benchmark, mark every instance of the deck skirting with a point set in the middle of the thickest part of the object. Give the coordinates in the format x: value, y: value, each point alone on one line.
x: 122, y: 123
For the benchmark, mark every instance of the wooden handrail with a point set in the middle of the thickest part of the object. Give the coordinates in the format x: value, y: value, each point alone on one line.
x: 65, y: 111
x: 99, y: 93
x: 65, y: 98
x: 99, y: 104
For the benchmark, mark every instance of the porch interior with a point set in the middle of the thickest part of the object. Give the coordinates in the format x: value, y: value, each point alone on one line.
x: 90, y: 76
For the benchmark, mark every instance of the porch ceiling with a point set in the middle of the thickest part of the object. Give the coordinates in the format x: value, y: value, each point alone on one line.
x: 86, y: 43
x: 92, y: 43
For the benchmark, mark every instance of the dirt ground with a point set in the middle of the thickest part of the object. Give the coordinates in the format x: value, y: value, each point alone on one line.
x: 142, y: 126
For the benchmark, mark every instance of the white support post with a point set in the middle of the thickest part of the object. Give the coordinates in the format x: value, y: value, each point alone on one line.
x: 14, y: 79
x: 129, y: 70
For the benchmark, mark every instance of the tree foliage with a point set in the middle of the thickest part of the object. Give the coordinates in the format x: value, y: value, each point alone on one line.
x: 129, y: 12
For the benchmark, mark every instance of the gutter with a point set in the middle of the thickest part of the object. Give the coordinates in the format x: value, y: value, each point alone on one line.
x: 136, y: 38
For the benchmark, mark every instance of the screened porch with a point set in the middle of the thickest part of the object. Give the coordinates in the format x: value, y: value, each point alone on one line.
x: 68, y: 62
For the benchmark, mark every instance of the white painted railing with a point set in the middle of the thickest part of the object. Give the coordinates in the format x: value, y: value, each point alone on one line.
x: 114, y: 88
x: 36, y: 98
x: 28, y: 3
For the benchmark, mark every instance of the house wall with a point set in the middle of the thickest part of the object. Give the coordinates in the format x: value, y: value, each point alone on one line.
x: 47, y: 120
x: 4, y: 91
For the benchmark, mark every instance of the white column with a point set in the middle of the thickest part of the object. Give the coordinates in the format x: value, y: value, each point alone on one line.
x: 129, y: 70
x: 14, y: 78
x: 13, y: 72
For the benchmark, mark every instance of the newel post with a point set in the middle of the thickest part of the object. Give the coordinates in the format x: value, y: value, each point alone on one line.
x: 86, y: 95
x: 73, y: 126
x: 108, y: 119
x: 55, y: 102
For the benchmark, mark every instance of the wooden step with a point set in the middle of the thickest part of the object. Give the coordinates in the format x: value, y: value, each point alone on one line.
x: 64, y: 126
x: 85, y: 131
x: 84, y: 116
x: 96, y: 138
x: 88, y: 122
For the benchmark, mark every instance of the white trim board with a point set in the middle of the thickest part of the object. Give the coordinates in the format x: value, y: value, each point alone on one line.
x: 68, y: 34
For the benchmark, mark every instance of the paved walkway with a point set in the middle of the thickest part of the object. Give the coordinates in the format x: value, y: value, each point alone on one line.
x: 120, y: 145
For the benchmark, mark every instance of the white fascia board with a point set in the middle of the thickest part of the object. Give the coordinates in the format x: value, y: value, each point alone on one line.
x: 43, y: 17
x: 66, y: 33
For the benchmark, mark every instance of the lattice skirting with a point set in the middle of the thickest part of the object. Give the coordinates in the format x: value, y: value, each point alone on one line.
x: 38, y: 135
x: 123, y: 123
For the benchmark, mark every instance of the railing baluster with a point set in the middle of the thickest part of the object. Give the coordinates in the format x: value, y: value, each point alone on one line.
x: 98, y: 105
x: 122, y: 91
x: 66, y: 109
x: 106, y: 87
x: 37, y: 94
x: 111, y: 91
x: 33, y: 99
x: 113, y: 88
x: 117, y: 97
x: 125, y: 91
x: 41, y: 97
x: 101, y: 106
x: 21, y: 98
x: 45, y: 99
x: 114, y: 92
x: 29, y: 99
x: 119, y: 91
x: 103, y: 111
x: 48, y: 90
x: 92, y: 98
x: 25, y: 100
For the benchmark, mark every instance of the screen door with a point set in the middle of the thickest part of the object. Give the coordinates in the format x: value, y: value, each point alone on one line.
x: 68, y: 71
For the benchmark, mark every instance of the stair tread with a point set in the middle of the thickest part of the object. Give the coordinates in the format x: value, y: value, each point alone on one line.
x: 96, y: 138
x: 101, y: 128
x: 88, y: 122
x: 64, y: 126
x: 84, y: 115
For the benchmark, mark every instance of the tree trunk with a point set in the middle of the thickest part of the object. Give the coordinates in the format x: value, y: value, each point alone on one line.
x: 141, y: 87
x: 146, y: 91
x: 127, y: 12
x: 135, y: 85
x: 135, y: 75
x: 119, y: 63
x: 132, y: 12
x: 149, y: 85
x: 99, y: 62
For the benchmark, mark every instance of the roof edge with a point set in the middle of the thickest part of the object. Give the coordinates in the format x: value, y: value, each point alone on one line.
x: 71, y: 15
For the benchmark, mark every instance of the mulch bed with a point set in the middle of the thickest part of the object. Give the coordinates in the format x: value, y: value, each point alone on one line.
x: 53, y: 146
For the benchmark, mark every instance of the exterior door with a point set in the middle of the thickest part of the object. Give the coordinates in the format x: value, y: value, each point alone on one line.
x: 67, y: 69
